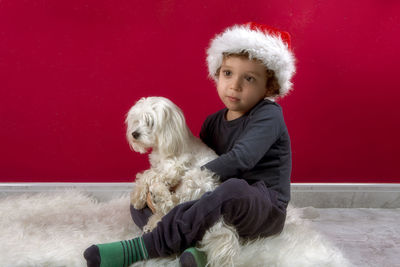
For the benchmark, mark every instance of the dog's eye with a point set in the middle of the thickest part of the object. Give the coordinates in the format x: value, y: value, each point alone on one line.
x: 135, y: 135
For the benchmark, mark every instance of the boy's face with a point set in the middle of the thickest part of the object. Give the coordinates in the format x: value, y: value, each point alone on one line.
x: 241, y: 85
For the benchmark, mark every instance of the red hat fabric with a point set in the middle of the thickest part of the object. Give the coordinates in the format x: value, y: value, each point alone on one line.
x: 285, y: 36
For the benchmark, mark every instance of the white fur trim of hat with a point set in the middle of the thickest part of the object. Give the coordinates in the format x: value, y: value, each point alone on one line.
x: 267, y: 44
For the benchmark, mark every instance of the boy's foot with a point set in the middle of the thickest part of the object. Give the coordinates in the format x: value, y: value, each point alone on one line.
x: 122, y: 253
x: 193, y: 257
x: 92, y: 256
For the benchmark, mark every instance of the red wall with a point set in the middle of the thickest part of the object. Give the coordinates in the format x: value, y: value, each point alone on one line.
x: 70, y: 70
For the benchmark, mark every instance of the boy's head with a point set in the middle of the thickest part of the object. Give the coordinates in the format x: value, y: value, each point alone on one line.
x: 271, y: 83
x: 260, y: 44
x: 241, y: 84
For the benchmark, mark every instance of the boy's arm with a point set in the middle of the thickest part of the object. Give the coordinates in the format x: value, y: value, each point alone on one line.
x: 261, y: 133
x: 204, y: 131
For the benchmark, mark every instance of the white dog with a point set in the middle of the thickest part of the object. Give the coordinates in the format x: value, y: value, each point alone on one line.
x: 175, y: 175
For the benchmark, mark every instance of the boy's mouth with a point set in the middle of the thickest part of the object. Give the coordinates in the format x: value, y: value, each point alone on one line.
x: 233, y: 99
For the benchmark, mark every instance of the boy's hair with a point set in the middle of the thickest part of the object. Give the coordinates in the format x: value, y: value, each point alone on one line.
x: 272, y: 85
x: 266, y: 44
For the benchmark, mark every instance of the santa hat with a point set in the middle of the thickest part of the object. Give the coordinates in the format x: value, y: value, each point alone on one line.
x: 267, y: 44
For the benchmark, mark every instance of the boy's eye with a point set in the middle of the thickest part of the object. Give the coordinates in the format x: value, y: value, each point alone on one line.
x: 250, y: 79
x: 227, y: 72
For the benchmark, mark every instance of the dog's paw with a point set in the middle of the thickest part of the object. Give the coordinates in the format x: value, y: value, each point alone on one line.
x: 137, y: 200
x: 138, y: 204
x: 152, y: 222
x: 147, y: 229
x: 160, y: 194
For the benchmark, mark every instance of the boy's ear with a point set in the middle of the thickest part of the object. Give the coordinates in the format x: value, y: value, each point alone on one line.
x: 273, y: 87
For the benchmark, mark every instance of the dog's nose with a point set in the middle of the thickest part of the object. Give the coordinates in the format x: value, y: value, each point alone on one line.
x: 135, y: 135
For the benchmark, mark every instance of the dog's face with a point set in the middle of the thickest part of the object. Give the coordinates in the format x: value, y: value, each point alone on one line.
x: 155, y: 122
x: 140, y: 126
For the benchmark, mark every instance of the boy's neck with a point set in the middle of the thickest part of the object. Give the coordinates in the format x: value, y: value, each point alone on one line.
x: 232, y: 115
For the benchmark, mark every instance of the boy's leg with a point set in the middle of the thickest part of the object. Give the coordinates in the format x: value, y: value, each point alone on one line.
x: 131, y: 251
x: 264, y: 198
x: 253, y: 210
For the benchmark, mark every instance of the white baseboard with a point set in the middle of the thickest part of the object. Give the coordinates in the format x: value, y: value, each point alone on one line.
x: 343, y: 195
x: 318, y: 195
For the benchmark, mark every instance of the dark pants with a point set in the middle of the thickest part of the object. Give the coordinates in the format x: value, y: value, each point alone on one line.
x: 252, y: 209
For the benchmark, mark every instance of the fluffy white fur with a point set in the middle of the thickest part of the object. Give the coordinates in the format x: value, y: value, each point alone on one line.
x: 175, y: 176
x: 175, y: 159
x: 53, y: 229
x: 270, y: 49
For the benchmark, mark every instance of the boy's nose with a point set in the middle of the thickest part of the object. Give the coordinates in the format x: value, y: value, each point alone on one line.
x: 236, y: 85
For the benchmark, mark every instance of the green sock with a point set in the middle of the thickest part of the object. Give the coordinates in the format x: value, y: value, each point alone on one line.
x: 117, y: 254
x: 193, y: 257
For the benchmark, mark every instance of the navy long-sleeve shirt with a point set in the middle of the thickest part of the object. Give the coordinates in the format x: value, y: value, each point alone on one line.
x: 254, y: 147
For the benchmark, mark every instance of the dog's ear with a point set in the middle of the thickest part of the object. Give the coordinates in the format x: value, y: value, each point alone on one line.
x: 173, y: 133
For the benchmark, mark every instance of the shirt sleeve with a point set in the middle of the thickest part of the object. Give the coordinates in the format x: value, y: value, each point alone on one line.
x: 262, y: 131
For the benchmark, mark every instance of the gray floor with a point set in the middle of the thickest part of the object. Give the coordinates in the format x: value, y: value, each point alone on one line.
x: 367, y: 237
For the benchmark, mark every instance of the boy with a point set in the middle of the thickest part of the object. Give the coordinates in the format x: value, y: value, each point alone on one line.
x: 252, y: 65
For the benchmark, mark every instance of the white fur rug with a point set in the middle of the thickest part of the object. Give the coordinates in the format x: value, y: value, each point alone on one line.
x: 53, y: 229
